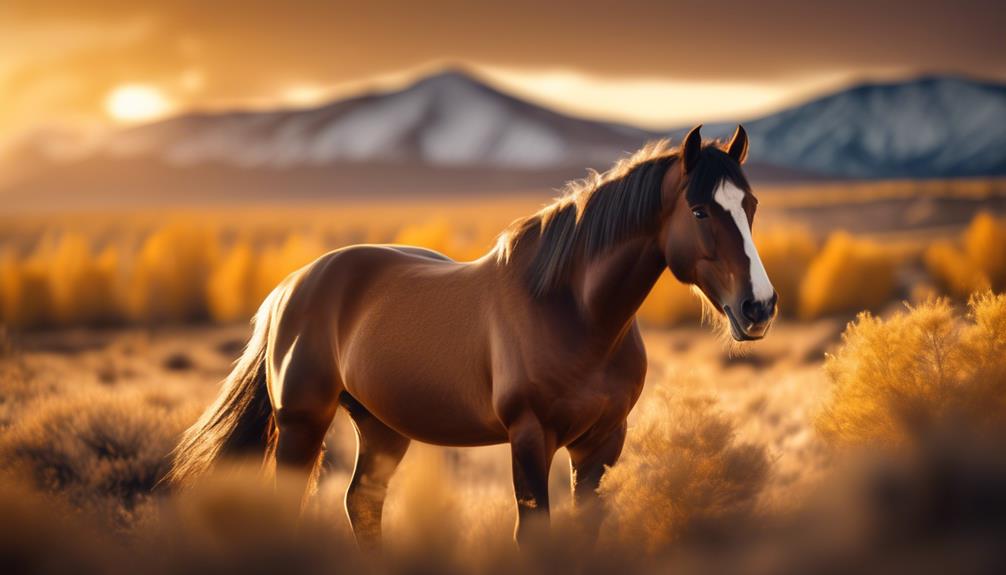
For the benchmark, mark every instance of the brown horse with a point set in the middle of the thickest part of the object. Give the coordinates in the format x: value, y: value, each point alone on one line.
x: 535, y: 344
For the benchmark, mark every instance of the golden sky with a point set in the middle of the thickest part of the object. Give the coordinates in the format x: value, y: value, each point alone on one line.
x: 658, y: 63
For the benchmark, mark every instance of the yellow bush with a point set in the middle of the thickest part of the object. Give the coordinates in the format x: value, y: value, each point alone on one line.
x: 277, y: 262
x: 975, y: 263
x: 669, y: 303
x: 448, y: 238
x: 952, y: 268
x: 682, y: 468
x: 231, y: 290
x: 848, y: 274
x: 895, y: 378
x: 27, y: 301
x: 82, y: 285
x: 787, y: 254
x: 985, y: 245
x: 169, y: 278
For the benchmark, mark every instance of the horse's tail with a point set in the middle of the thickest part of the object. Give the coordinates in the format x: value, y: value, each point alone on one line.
x: 240, y: 421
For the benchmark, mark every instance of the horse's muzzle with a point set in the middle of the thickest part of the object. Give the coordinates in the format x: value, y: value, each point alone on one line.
x: 743, y: 329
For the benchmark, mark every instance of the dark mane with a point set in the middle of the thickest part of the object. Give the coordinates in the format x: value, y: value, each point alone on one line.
x: 596, y: 213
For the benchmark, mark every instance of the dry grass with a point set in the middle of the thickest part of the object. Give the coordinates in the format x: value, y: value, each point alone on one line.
x: 99, y: 450
x: 897, y: 378
x: 701, y: 487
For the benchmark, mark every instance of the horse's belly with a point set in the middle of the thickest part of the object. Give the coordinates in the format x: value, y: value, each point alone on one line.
x: 443, y: 411
x: 426, y: 386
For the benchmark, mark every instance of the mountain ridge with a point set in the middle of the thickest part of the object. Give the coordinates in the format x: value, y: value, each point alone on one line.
x: 450, y: 125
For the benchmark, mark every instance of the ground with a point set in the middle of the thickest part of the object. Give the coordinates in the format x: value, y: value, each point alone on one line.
x: 772, y: 390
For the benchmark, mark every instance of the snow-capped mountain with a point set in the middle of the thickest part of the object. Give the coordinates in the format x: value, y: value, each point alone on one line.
x: 937, y: 126
x: 449, y: 119
x: 452, y: 133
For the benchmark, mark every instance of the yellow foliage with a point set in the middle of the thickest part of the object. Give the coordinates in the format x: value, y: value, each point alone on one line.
x: 975, y: 263
x: 848, y: 274
x: 169, y: 279
x: 895, y: 378
x: 787, y: 254
x: 670, y: 302
x: 277, y: 262
x: 954, y: 270
x: 682, y: 467
x: 83, y: 286
x: 985, y: 245
x: 440, y: 235
x: 27, y: 301
x: 230, y: 293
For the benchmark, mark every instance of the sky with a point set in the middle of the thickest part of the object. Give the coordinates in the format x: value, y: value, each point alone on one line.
x: 653, y: 63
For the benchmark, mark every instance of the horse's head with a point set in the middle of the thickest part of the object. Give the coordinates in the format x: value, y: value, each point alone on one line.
x: 706, y: 233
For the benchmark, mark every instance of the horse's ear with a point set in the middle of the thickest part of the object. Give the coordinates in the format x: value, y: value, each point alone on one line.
x: 738, y: 146
x: 691, y: 148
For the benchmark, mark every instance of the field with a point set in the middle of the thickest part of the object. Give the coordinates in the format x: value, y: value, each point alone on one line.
x: 879, y: 449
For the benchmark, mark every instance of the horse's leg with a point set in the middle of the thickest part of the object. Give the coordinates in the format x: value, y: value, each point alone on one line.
x: 588, y: 459
x: 305, y: 398
x: 531, y: 451
x: 298, y: 450
x: 379, y: 451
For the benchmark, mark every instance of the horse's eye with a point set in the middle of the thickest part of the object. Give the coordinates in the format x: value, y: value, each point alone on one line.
x: 700, y: 213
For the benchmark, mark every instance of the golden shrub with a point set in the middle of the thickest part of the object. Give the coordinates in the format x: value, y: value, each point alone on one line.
x: 893, y: 379
x: 985, y: 245
x: 849, y: 274
x: 976, y: 262
x: 169, y: 277
x: 670, y: 302
x: 952, y: 268
x: 83, y: 286
x: 99, y: 450
x: 27, y: 301
x: 787, y: 254
x: 277, y: 262
x: 442, y: 235
x: 682, y: 468
x: 231, y: 290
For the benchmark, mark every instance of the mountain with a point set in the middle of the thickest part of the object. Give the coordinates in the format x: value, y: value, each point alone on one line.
x: 451, y: 133
x: 931, y: 127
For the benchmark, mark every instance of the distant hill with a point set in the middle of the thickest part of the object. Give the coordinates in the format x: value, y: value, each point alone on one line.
x: 450, y: 133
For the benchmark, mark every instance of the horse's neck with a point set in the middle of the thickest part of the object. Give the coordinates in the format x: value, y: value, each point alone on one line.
x: 613, y: 286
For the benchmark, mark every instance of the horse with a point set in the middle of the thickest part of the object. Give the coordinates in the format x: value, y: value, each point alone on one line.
x: 534, y: 344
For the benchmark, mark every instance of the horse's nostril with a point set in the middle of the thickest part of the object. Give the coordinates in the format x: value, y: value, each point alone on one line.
x: 751, y: 310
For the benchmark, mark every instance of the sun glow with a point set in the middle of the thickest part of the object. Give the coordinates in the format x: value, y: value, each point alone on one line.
x: 137, y: 103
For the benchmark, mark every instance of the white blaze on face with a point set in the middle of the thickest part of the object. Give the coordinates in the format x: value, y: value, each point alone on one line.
x: 730, y: 197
